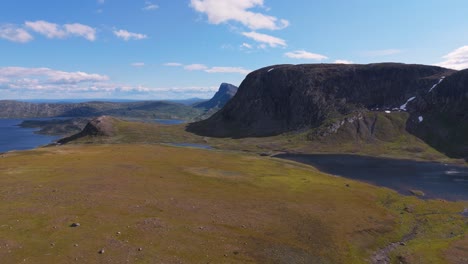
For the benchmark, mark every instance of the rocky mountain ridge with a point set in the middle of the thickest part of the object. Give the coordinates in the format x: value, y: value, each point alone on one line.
x: 225, y: 92
x: 287, y: 98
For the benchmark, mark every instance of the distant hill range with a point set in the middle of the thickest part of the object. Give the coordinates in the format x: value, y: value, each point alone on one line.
x: 358, y: 102
x: 148, y: 109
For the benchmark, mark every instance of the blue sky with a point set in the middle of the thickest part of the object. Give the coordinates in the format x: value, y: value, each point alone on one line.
x: 160, y: 49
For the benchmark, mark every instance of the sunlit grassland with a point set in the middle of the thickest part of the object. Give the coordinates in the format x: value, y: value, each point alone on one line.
x: 198, y: 206
x: 402, y: 146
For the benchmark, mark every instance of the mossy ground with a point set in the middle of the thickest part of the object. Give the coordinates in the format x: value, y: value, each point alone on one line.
x: 183, y: 205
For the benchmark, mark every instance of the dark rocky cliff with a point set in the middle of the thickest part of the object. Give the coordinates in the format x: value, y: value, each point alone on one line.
x: 440, y: 117
x: 284, y: 98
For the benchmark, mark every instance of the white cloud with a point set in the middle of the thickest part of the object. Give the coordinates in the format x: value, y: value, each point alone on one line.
x: 239, y: 70
x: 20, y: 82
x: 125, y: 35
x: 302, y: 54
x: 138, y: 64
x: 222, y: 11
x: 247, y: 46
x: 52, y: 30
x: 343, y: 62
x: 457, y: 59
x: 48, y: 76
x: 84, y: 31
x: 381, y: 53
x: 150, y: 6
x: 15, y: 34
x: 173, y: 64
x: 195, y: 67
x: 266, y: 39
x: 101, y: 1
x: 203, y: 67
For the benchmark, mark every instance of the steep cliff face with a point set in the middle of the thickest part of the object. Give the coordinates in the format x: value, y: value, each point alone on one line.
x: 440, y: 116
x: 285, y: 98
x: 225, y: 92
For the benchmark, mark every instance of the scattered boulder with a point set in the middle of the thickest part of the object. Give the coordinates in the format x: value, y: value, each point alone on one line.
x: 101, y: 251
x: 417, y: 193
x: 75, y: 225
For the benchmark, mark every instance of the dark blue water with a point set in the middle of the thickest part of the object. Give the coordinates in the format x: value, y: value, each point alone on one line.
x: 13, y: 137
x: 191, y: 145
x: 436, y: 180
x: 170, y: 121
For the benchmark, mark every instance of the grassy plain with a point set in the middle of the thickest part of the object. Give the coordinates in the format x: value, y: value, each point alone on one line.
x: 150, y: 203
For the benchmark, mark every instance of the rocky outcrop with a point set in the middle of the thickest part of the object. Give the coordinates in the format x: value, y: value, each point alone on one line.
x: 225, y: 92
x: 101, y: 126
x: 284, y: 98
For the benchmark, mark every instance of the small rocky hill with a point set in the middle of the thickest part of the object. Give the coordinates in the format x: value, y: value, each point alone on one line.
x: 97, y: 127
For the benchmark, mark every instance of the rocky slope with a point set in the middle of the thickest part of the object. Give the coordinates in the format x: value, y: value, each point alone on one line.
x: 100, y: 126
x: 283, y: 98
x: 350, y: 103
x: 440, y: 116
x: 225, y: 92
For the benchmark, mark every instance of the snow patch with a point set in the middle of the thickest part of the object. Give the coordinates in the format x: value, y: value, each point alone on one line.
x: 435, y: 85
x: 403, y: 106
x: 270, y: 69
x: 388, y: 112
x: 420, y: 118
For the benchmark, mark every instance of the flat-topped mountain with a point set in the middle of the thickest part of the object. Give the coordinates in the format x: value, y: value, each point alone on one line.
x: 282, y: 98
x: 285, y: 98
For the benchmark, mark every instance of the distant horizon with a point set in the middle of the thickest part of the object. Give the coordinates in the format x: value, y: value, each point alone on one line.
x: 135, y: 50
x: 84, y: 100
x: 208, y: 95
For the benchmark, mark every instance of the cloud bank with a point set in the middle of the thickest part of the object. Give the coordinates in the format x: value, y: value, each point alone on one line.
x: 457, y: 59
x: 14, y: 34
x: 304, y: 55
x: 223, y: 11
x: 52, y: 30
x: 23, y: 83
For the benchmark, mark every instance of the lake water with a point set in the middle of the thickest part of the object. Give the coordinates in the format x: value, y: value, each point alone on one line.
x: 170, y: 121
x: 13, y: 137
x: 191, y: 145
x: 436, y: 180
